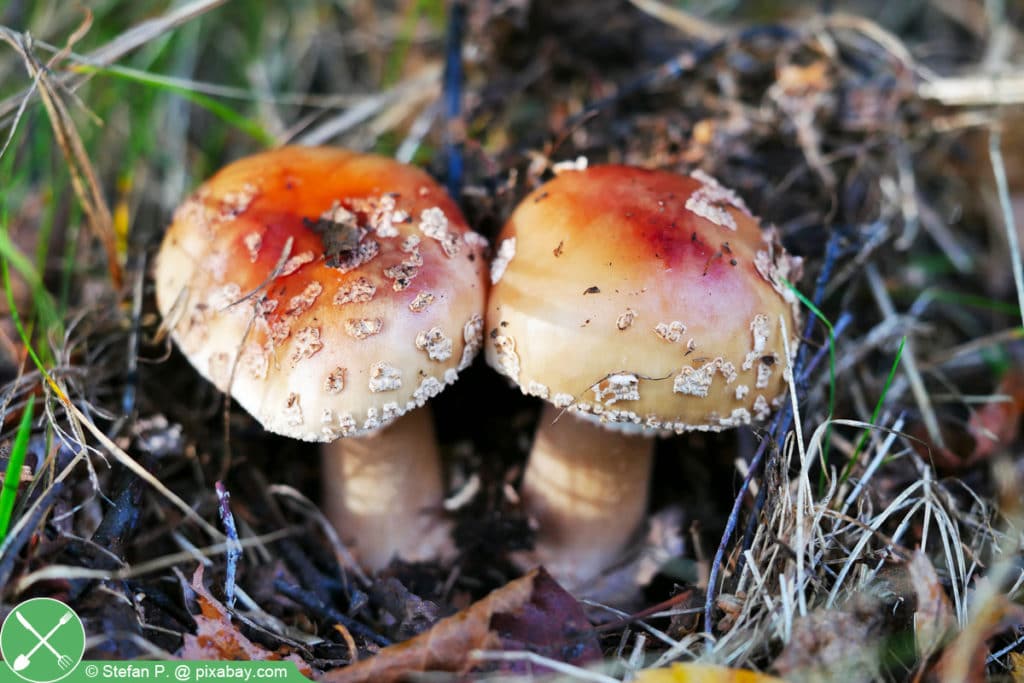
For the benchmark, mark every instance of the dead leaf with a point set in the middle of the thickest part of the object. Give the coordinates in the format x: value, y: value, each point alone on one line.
x: 414, y: 614
x: 996, y: 425
x: 217, y: 638
x: 963, y: 660
x: 933, y: 620
x: 800, y: 80
x: 835, y: 644
x: 532, y: 613
x: 552, y: 624
x: 1017, y: 667
x: 690, y: 672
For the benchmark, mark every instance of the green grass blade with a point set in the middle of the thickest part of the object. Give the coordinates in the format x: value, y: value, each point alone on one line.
x: 874, y: 415
x: 13, y: 476
x: 221, y: 111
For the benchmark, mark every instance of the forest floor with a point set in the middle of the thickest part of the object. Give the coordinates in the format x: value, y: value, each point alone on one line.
x: 871, y: 530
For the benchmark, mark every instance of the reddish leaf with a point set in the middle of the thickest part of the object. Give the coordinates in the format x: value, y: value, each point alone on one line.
x: 217, y: 638
x: 964, y: 659
x: 996, y: 424
x: 551, y: 624
x: 532, y: 613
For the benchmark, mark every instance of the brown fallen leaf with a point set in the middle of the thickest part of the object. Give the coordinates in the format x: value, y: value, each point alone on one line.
x: 933, y: 620
x: 837, y: 644
x: 990, y: 430
x: 532, y: 613
x: 964, y: 659
x: 995, y: 425
x: 217, y: 638
x: 1017, y: 667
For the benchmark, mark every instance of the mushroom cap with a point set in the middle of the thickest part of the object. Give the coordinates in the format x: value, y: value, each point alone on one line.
x: 347, y: 287
x: 643, y: 299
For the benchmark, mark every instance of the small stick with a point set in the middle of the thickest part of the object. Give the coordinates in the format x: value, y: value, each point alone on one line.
x: 453, y: 133
x: 234, y: 547
x: 327, y: 613
x: 734, y: 515
x: 646, y: 612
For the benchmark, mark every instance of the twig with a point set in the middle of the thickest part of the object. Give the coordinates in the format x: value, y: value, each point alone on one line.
x: 313, y: 603
x: 680, y: 65
x: 454, y: 134
x: 67, y: 572
x: 234, y: 549
x: 84, y: 179
x: 646, y: 612
x: 138, y: 469
x: 734, y: 515
x: 121, y: 520
x: 131, y: 380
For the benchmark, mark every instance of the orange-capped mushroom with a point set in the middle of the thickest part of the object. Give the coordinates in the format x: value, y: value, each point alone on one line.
x: 645, y: 302
x: 331, y: 293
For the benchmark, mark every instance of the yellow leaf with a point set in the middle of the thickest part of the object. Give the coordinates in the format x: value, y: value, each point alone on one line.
x: 702, y: 673
x: 1017, y: 667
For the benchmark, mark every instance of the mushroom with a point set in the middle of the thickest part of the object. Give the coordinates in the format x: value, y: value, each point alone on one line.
x: 642, y: 302
x: 331, y: 293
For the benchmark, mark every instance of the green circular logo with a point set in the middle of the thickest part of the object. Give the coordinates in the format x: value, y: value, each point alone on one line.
x: 42, y: 640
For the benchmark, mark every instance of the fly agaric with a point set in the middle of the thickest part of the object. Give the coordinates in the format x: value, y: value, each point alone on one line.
x: 331, y: 293
x: 643, y: 302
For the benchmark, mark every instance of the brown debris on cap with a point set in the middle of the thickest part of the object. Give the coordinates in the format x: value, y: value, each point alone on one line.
x: 642, y: 298
x: 356, y: 278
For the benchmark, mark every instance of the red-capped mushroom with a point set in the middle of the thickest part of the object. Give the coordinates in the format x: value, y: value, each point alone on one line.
x: 332, y: 293
x: 640, y: 301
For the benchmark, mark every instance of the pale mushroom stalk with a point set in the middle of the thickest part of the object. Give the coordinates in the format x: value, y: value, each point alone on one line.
x: 586, y: 487
x: 387, y: 491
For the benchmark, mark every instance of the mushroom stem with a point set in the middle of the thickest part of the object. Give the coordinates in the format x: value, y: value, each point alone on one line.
x: 384, y: 492
x: 587, y: 489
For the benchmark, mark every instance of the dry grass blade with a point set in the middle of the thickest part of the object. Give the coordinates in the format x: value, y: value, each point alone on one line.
x: 128, y: 41
x: 80, y: 167
x: 685, y: 22
x: 1009, y: 224
x: 975, y: 90
x: 141, y: 472
x: 909, y: 358
x: 69, y: 572
x: 338, y: 125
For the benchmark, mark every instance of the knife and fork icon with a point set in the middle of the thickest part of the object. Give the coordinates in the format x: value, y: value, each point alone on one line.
x: 22, y: 661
